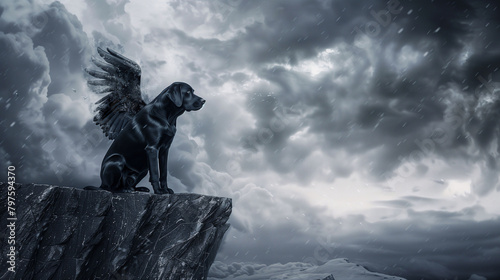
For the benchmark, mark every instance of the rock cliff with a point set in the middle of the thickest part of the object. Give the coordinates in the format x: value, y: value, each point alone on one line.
x: 69, y: 233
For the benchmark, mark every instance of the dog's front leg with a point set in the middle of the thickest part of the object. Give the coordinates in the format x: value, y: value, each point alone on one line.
x: 152, y: 153
x: 164, y: 170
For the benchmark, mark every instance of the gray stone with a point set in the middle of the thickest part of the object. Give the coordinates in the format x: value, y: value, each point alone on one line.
x: 68, y: 233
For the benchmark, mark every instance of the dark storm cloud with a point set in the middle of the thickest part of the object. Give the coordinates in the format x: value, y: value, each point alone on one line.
x: 22, y: 66
x: 399, y: 108
x: 459, y: 38
x: 448, y: 30
x: 291, y: 31
x: 286, y: 35
x: 65, y: 46
x: 44, y: 113
x: 444, y: 25
x: 429, y: 241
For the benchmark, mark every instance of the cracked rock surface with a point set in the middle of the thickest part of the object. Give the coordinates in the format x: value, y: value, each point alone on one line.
x: 69, y: 233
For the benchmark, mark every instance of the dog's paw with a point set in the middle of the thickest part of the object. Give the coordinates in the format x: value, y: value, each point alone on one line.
x: 164, y: 191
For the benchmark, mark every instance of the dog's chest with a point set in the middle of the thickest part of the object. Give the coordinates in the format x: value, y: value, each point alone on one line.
x: 166, y: 130
x: 169, y: 130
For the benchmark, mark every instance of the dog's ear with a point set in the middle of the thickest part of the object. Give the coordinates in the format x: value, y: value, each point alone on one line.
x: 174, y: 93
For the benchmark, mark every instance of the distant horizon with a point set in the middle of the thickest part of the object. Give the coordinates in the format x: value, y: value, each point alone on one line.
x: 365, y: 130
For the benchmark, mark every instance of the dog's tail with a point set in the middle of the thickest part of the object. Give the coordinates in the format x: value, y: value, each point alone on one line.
x: 141, y: 189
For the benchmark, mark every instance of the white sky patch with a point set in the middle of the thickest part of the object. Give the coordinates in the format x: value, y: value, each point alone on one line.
x: 201, y: 19
x: 299, y: 135
x: 70, y: 113
x: 150, y: 15
x: 403, y: 59
x: 338, y: 63
x: 458, y: 188
x: 321, y: 63
x: 344, y: 196
x: 490, y: 203
x: 464, y: 56
x: 441, y: 188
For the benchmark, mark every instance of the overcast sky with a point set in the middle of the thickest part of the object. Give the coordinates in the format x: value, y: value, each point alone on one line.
x: 359, y: 129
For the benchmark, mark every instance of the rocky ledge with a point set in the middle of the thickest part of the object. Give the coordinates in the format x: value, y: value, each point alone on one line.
x: 69, y: 233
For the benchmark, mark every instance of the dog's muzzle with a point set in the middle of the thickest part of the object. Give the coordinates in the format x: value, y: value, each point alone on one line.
x: 199, y: 103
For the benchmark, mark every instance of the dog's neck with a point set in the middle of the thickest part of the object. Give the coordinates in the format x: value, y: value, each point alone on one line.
x: 167, y: 110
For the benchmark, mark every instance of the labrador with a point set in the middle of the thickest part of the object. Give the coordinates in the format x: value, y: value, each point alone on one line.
x: 142, y: 133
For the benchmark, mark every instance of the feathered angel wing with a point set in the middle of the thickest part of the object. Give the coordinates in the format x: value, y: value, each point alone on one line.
x: 120, y: 79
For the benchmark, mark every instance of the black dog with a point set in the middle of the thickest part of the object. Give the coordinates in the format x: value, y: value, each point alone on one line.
x: 142, y: 133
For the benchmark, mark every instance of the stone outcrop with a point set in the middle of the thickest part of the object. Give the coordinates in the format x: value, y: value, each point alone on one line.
x: 69, y: 233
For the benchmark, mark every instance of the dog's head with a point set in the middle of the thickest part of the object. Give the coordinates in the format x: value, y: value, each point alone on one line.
x: 182, y: 95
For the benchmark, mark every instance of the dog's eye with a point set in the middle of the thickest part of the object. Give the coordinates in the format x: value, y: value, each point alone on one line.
x: 188, y: 92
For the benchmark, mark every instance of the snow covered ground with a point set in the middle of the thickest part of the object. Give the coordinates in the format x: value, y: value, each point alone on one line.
x: 340, y: 269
